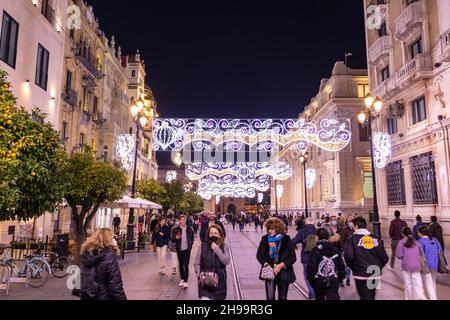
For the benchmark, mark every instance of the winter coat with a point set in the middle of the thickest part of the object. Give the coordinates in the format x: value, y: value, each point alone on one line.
x: 363, y: 251
x: 416, y: 228
x: 301, y: 238
x: 410, y: 256
x: 107, y: 274
x: 208, y: 260
x: 325, y: 249
x: 396, y: 229
x: 431, y: 249
x: 189, y: 234
x: 161, y: 240
x: 286, y: 255
x: 204, y: 230
x: 437, y: 232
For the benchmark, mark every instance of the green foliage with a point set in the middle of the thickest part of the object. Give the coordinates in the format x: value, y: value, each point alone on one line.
x: 30, y: 158
x: 171, y: 196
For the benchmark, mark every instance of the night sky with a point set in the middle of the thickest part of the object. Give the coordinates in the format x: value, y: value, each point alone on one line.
x: 236, y: 59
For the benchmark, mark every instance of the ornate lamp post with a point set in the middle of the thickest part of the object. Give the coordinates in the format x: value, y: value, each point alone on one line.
x: 141, y: 117
x: 303, y: 160
x: 365, y: 118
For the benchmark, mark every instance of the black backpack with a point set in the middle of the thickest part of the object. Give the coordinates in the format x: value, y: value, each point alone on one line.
x: 91, y: 289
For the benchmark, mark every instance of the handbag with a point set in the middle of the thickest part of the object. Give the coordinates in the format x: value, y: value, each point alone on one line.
x: 423, y: 261
x: 267, y: 273
x: 208, y: 280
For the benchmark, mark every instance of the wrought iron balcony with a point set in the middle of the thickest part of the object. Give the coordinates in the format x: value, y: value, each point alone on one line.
x: 70, y: 96
x: 380, y: 50
x: 89, y: 62
x: 410, y: 19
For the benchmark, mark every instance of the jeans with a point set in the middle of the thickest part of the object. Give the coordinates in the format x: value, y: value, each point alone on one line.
x: 323, y: 294
x: 430, y: 284
x: 394, y: 244
x: 413, y: 286
x: 162, y: 252
x: 365, y: 293
x: 184, y: 258
x: 271, y: 287
x: 312, y: 294
x: 348, y: 274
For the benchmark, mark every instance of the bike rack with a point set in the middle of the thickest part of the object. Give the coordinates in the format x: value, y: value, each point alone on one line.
x: 5, y: 278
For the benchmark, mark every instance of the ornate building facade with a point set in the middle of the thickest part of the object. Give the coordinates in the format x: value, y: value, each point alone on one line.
x: 408, y: 44
x: 343, y: 180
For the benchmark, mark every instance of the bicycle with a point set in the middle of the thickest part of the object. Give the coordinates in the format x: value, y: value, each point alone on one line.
x: 58, y: 264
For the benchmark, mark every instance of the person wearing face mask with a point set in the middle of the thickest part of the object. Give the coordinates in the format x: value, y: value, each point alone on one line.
x: 277, y: 251
x: 210, y: 265
x: 211, y: 221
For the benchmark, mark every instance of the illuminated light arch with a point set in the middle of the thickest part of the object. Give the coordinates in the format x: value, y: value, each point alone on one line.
x: 125, y: 150
x: 262, y: 135
x: 382, y: 149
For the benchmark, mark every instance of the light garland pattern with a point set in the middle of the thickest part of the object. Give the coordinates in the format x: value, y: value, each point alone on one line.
x: 310, y: 178
x: 171, y: 176
x: 232, y: 187
x: 260, y: 198
x: 280, y: 191
x: 264, y: 135
x: 125, y: 150
x: 382, y: 149
x: 279, y: 170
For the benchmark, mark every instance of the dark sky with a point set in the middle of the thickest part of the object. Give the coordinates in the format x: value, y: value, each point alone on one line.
x: 236, y: 59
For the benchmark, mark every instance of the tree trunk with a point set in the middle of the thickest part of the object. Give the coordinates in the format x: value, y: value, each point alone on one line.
x: 81, y: 238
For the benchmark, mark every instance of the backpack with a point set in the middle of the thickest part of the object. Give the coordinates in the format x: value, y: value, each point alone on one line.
x: 327, y: 270
x: 310, y: 243
x: 90, y: 287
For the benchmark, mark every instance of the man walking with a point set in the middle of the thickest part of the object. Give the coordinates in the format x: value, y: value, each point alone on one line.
x: 212, y: 220
x: 396, y: 234
x: 183, y: 236
x: 366, y: 256
x: 116, y: 224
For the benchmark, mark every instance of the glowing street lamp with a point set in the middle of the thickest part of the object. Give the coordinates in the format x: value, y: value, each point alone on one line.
x: 303, y: 160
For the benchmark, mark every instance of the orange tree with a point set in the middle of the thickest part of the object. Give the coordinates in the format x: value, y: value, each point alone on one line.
x: 30, y: 156
x: 89, y: 184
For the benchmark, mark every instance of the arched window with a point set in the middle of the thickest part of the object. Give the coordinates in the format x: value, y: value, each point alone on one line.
x: 133, y: 73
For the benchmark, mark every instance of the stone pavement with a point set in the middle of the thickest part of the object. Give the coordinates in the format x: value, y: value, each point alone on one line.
x: 142, y: 281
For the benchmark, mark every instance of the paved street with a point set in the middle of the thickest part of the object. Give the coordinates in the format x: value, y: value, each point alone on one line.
x: 142, y: 281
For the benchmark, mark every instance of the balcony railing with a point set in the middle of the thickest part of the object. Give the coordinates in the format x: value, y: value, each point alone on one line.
x: 70, y: 96
x: 411, y: 18
x: 380, y: 49
x: 420, y: 67
x: 377, y: 3
x: 89, y: 62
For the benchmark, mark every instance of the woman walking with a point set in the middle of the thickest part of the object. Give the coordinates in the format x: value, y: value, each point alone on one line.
x: 431, y: 248
x: 172, y: 248
x: 100, y: 273
x: 210, y: 266
x: 162, y: 235
x: 408, y: 250
x: 276, y: 252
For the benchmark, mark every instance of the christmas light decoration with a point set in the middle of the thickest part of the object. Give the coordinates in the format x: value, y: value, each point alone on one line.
x: 232, y: 187
x: 260, y: 198
x: 171, y: 176
x: 382, y: 149
x: 310, y: 178
x: 280, y: 191
x: 125, y: 149
x: 260, y: 135
x: 278, y: 171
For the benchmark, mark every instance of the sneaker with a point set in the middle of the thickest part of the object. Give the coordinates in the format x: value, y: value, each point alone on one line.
x: 181, y: 283
x: 174, y: 271
x: 185, y: 285
x: 348, y: 284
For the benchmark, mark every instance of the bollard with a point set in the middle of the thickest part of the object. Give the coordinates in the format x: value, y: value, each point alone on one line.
x: 123, y: 250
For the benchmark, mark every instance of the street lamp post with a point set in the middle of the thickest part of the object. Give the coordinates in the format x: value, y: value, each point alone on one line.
x: 303, y: 161
x: 141, y: 119
x: 276, y: 197
x: 366, y: 117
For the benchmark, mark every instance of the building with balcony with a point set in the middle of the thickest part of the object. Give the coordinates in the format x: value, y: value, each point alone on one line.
x: 32, y: 53
x: 409, y: 70
x: 343, y: 181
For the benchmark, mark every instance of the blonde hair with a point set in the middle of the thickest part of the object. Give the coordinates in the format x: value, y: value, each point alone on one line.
x: 99, y: 241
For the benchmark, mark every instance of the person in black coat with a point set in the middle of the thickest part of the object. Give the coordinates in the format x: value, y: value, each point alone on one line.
x: 161, y: 237
x: 326, y: 268
x: 101, y: 278
x: 277, y: 250
x: 183, y: 236
x: 213, y: 256
x: 212, y: 220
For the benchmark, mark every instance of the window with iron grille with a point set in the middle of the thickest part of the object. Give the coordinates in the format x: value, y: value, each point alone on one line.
x: 423, y: 174
x: 395, y: 180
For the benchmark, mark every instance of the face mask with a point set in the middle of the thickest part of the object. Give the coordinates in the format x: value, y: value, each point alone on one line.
x: 334, y: 223
x: 351, y: 225
x: 214, y: 239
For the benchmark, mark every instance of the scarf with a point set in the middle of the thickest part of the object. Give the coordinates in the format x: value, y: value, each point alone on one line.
x: 273, y: 244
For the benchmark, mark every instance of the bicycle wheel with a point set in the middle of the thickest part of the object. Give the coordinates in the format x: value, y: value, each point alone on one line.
x: 60, y: 266
x: 38, y: 273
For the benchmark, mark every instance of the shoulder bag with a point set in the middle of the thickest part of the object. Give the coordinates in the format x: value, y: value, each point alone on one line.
x: 423, y: 261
